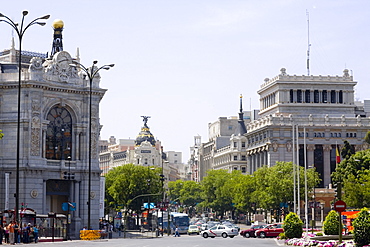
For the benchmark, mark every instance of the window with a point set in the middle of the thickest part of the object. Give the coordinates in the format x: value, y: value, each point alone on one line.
x: 230, y: 127
x: 291, y: 96
x: 235, y: 145
x: 307, y: 96
x: 299, y: 96
x: 235, y: 168
x: 244, y: 169
x: 324, y: 96
x: 243, y: 144
x: 243, y: 157
x: 235, y: 157
x: 316, y: 96
x: 341, y: 96
x: 332, y: 96
x: 59, y: 134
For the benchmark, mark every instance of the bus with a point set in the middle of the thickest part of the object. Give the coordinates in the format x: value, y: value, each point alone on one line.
x: 181, y: 220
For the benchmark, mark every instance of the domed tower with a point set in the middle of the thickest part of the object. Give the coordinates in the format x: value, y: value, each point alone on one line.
x: 57, y: 42
x: 145, y: 134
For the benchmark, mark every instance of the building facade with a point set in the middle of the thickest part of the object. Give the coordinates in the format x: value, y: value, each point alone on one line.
x: 54, y: 136
x: 320, y: 108
x: 296, y: 112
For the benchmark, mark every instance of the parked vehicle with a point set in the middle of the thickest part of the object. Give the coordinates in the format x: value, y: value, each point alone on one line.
x: 272, y: 230
x: 193, y: 229
x: 250, y: 233
x: 220, y: 231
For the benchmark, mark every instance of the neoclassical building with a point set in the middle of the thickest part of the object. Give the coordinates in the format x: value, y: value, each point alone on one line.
x: 54, y: 134
x: 323, y: 106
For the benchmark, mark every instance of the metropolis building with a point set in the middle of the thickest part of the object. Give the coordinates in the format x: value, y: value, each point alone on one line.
x: 54, y: 136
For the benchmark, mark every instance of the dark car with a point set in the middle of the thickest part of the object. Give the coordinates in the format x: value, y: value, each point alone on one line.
x: 248, y: 233
x: 272, y: 230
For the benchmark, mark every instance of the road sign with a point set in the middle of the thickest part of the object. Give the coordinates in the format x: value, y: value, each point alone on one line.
x: 340, y: 206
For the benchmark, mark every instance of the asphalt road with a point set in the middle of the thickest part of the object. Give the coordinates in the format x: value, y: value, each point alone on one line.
x: 170, y: 241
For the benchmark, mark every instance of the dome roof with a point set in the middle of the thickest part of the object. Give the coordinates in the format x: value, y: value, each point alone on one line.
x: 145, y: 134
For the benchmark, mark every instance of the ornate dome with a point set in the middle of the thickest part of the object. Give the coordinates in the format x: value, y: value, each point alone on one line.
x: 145, y: 134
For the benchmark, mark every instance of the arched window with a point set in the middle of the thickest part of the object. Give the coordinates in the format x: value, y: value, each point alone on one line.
x: 59, y: 134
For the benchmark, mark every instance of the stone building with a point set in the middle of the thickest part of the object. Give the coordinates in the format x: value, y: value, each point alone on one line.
x: 54, y: 136
x: 226, y: 148
x: 322, y: 106
x: 145, y: 150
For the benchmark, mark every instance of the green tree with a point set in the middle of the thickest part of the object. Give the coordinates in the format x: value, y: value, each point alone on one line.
x: 355, y: 177
x: 293, y: 226
x: 188, y: 193
x: 124, y: 183
x: 242, y: 187
x: 367, y: 137
x: 274, y: 185
x: 216, y: 192
x: 1, y: 134
x: 331, y: 223
x: 347, y: 150
x: 361, y: 224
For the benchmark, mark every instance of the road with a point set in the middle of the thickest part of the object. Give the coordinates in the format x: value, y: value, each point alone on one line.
x: 170, y: 241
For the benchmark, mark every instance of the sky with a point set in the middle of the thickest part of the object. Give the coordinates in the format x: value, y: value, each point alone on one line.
x: 184, y: 63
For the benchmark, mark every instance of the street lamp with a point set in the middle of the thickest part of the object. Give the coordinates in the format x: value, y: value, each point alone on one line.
x: 91, y: 73
x: 20, y: 32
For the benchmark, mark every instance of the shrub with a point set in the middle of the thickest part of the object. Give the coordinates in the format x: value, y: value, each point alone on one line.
x: 319, y: 234
x: 293, y: 226
x: 361, y: 225
x: 331, y: 223
x: 282, y: 236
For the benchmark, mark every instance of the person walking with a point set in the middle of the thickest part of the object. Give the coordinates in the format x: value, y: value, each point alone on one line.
x: 6, y: 234
x: 11, y: 232
x: 35, y: 233
x: 177, y: 234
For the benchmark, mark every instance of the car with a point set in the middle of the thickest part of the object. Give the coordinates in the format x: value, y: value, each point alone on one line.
x: 272, y: 230
x: 193, y: 229
x: 248, y: 233
x: 204, y: 227
x: 220, y: 231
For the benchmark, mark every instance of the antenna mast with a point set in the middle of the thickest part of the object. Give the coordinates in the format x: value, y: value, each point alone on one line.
x: 308, y: 42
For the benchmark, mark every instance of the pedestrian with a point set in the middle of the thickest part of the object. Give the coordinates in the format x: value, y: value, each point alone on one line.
x: 1, y: 234
x: 11, y: 232
x: 35, y: 233
x: 16, y: 233
x: 6, y: 234
x: 177, y: 234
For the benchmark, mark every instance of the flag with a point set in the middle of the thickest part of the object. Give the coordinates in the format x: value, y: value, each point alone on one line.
x: 337, y: 155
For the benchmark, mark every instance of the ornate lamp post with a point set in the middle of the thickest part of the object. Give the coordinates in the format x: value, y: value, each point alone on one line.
x: 20, y: 32
x: 91, y: 73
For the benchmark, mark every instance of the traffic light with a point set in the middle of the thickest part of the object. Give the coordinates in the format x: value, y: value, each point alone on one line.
x: 338, y: 191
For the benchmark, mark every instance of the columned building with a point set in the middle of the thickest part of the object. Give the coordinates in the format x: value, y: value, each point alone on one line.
x: 54, y: 134
x: 320, y: 108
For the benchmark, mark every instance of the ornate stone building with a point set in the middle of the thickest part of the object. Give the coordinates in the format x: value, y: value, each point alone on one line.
x: 54, y: 139
x: 323, y: 106
x: 144, y: 151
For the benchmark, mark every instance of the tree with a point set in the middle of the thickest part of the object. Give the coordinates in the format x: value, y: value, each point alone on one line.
x: 367, y: 137
x: 186, y: 192
x: 361, y: 224
x: 293, y: 226
x: 354, y: 174
x: 242, y: 187
x: 124, y: 183
x: 347, y: 150
x: 274, y: 185
x: 216, y: 192
x: 331, y: 223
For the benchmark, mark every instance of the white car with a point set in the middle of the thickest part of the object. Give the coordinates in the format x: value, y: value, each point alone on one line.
x: 220, y: 231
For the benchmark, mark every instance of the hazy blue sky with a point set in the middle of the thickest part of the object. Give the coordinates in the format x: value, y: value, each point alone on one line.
x: 185, y: 62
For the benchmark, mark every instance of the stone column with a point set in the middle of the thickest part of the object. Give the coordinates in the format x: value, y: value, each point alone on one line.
x: 310, y: 154
x: 326, y: 174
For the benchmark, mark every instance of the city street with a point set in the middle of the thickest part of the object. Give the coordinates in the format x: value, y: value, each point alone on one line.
x: 166, y: 241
